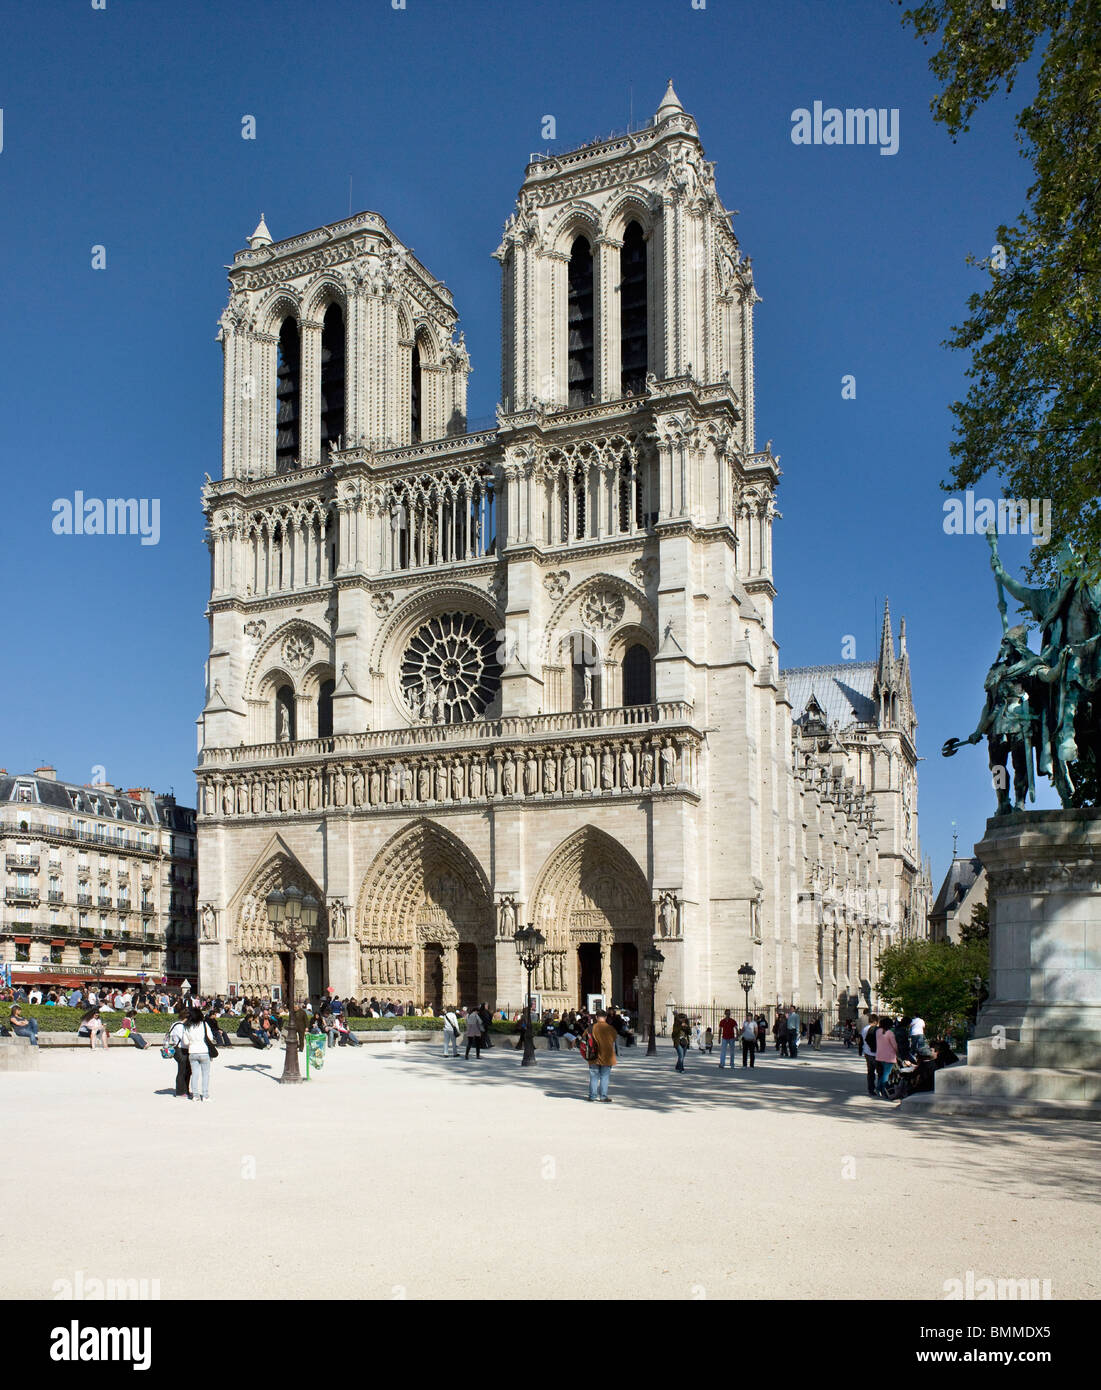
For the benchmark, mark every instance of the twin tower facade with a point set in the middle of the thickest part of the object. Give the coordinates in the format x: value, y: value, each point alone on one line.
x: 463, y: 681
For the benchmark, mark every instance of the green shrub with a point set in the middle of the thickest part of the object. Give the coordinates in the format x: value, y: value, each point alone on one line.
x: 55, y: 1019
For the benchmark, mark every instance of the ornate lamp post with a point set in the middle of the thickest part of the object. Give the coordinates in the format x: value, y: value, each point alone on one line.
x: 652, y: 963
x: 746, y: 974
x: 293, y: 916
x: 529, y: 948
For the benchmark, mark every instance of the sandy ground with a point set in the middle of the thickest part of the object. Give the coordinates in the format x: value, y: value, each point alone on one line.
x: 397, y: 1173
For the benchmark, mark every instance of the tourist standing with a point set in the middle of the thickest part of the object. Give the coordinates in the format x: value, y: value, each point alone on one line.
x: 762, y: 1032
x: 886, y: 1055
x: 917, y: 1036
x: 487, y: 1018
x: 727, y: 1031
x: 450, y: 1033
x: 475, y: 1030
x: 749, y: 1041
x: 681, y: 1039
x: 200, y: 1048
x: 793, y: 1032
x: 814, y: 1032
x: 780, y: 1031
x: 602, y: 1056
x: 177, y: 1040
x: 867, y: 1049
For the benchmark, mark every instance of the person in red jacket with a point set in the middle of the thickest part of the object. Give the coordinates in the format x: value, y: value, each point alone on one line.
x: 728, y: 1031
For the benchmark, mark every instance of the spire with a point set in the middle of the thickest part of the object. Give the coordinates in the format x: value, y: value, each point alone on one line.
x: 261, y: 236
x: 670, y: 104
x: 886, y: 663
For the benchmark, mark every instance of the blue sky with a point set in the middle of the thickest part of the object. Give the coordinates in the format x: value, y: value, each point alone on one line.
x: 122, y: 129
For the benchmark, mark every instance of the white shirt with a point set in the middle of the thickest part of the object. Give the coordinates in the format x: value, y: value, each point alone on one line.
x: 917, y: 1027
x: 35, y: 997
x: 749, y: 1030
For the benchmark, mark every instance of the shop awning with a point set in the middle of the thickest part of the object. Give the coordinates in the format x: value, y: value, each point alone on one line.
x: 106, y: 946
x: 59, y: 942
x: 22, y: 941
x: 87, y: 945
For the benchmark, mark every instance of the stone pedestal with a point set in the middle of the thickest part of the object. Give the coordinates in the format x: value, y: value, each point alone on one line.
x: 1038, y: 1043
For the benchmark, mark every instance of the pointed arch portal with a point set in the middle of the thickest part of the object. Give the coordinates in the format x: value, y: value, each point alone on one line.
x: 424, y: 922
x: 592, y: 903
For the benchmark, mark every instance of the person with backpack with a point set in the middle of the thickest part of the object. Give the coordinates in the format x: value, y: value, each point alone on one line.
x: 201, y: 1047
x: 450, y: 1032
x: 598, y: 1048
x: 177, y: 1040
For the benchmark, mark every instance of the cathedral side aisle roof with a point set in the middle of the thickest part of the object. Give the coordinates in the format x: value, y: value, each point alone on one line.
x: 844, y: 691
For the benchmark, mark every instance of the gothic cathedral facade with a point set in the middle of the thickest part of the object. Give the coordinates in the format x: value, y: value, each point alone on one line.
x: 461, y: 681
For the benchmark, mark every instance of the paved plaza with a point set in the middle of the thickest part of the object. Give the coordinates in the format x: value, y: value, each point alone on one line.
x: 397, y: 1173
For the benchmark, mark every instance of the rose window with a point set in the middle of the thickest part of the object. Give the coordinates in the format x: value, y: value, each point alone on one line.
x: 450, y: 672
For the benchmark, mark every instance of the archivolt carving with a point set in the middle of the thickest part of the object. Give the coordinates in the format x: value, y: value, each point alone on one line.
x: 254, y: 942
x: 424, y: 885
x: 591, y: 889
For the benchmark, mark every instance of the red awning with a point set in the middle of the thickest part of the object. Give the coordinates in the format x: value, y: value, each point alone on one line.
x: 87, y: 945
x: 60, y: 942
x: 22, y: 941
x: 105, y: 946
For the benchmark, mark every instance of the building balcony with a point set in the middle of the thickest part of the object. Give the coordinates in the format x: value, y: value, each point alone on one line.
x: 103, y: 904
x: 55, y: 897
x: 84, y: 900
x: 124, y: 905
x: 22, y: 861
x: 21, y: 895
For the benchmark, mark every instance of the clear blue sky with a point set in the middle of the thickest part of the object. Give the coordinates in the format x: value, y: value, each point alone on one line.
x: 121, y: 128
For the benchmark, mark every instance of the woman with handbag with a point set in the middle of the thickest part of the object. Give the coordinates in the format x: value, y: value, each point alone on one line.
x: 201, y: 1047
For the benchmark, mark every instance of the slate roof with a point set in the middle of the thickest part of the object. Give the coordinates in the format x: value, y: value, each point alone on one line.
x: 77, y: 800
x: 843, y: 690
x: 958, y: 881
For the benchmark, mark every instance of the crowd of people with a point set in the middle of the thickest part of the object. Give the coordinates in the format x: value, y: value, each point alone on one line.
x: 899, y: 1061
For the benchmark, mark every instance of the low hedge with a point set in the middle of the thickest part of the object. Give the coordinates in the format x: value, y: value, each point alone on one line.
x: 58, y: 1019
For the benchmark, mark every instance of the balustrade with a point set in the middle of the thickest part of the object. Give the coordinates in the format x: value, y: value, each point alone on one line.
x: 650, y: 762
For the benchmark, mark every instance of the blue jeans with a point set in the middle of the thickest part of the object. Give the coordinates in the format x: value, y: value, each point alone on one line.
x: 200, y: 1074
x: 727, y: 1045
x: 598, y: 1082
x: 553, y: 1041
x: 27, y: 1029
x: 682, y: 1048
x: 882, y: 1072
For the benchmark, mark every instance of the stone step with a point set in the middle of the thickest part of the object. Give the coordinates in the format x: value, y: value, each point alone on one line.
x: 1074, y: 1051
x: 932, y: 1103
x: 1021, y: 1083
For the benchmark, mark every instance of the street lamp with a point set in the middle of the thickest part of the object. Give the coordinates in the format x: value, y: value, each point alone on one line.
x: 293, y: 915
x: 529, y: 948
x: 652, y: 962
x: 746, y: 974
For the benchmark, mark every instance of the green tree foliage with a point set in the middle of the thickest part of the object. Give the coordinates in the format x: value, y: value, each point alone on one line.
x: 978, y: 929
x: 936, y: 980
x: 1032, y: 415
